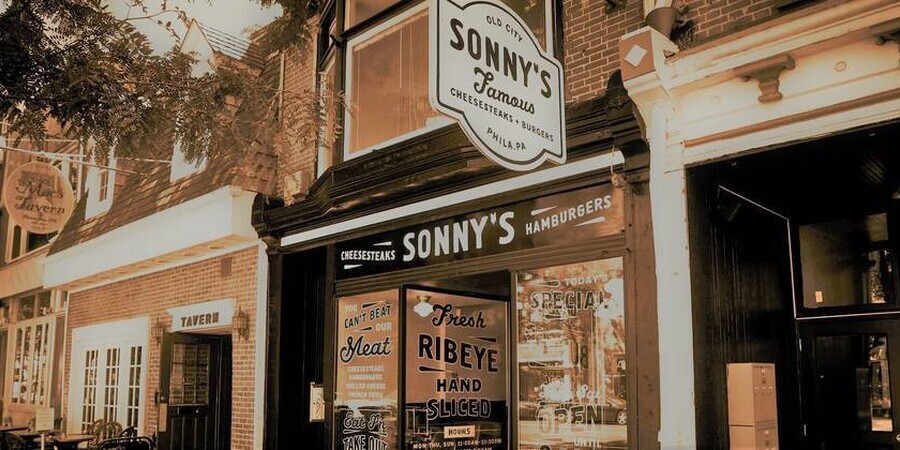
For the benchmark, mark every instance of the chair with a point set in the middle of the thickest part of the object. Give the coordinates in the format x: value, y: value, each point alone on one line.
x: 128, y: 443
x: 13, y: 441
x: 102, y: 430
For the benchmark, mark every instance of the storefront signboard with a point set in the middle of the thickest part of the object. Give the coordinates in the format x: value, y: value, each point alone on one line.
x: 567, y: 217
x: 216, y: 314
x: 38, y: 197
x: 456, y: 372
x: 488, y: 71
x: 365, y: 404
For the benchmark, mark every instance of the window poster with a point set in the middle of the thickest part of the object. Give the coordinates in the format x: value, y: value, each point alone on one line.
x: 571, y: 356
x: 365, y: 405
x: 456, y: 372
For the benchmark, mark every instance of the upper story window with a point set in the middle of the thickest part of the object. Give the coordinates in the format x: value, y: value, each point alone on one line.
x: 20, y: 242
x: 386, y: 78
x: 181, y: 167
x: 101, y: 183
x: 360, y: 10
x: 328, y: 105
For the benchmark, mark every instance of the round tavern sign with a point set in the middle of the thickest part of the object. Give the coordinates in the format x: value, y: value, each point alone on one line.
x: 39, y: 198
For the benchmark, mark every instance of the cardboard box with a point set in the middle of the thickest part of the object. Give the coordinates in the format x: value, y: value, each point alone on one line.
x: 751, y: 394
x: 764, y: 437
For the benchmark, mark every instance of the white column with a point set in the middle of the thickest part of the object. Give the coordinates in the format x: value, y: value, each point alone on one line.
x: 673, y: 283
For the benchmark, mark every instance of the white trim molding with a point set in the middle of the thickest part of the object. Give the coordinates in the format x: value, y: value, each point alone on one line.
x: 23, y: 274
x: 198, y: 227
x: 843, y: 77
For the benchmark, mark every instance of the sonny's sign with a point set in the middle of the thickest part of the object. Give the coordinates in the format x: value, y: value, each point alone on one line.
x: 488, y: 71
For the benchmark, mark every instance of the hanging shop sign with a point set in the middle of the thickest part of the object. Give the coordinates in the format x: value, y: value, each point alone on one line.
x: 566, y: 217
x: 488, y: 71
x: 38, y: 197
x: 456, y: 393
x: 365, y: 397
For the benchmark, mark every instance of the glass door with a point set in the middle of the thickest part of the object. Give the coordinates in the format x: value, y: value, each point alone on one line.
x: 851, y: 382
x: 456, y: 387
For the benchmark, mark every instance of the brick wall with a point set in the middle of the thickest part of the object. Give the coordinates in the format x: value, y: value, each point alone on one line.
x: 229, y: 276
x: 590, y: 46
x: 718, y: 18
x: 297, y: 155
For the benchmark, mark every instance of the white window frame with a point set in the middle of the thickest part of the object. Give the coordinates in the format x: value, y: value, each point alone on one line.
x: 68, y: 163
x: 181, y: 167
x: 11, y: 227
x: 438, y: 122
x: 122, y: 335
x: 95, y: 206
x: 48, y: 320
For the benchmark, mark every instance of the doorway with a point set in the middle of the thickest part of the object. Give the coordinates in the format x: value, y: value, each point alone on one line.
x: 851, y: 372
x: 195, y: 392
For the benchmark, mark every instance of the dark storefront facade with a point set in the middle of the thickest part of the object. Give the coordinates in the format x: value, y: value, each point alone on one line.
x: 456, y: 304
x: 424, y: 296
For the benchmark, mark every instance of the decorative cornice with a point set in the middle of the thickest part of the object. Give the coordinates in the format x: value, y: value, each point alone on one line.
x: 886, y: 32
x: 766, y: 72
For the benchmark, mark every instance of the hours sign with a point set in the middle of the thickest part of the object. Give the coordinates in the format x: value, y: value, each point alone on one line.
x: 490, y: 73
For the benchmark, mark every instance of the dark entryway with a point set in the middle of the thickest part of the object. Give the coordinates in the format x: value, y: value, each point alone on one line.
x: 851, y: 370
x: 195, y: 392
x: 794, y: 262
x: 742, y: 307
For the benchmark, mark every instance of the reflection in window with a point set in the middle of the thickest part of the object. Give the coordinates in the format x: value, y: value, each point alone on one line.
x: 880, y: 382
x: 571, y: 356
x: 111, y: 389
x: 134, y: 386
x: 846, y: 262
x: 89, y: 390
x: 389, y: 83
x: 30, y: 380
x: 328, y: 105
x: 360, y: 10
x: 534, y: 13
x: 189, y: 377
